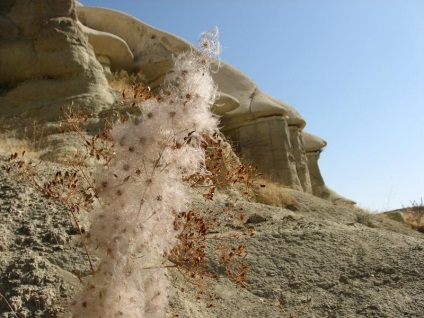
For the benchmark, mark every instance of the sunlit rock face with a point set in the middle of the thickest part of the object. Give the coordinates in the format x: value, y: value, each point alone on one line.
x: 265, y: 131
x: 55, y: 52
x: 314, y: 145
x: 45, y: 63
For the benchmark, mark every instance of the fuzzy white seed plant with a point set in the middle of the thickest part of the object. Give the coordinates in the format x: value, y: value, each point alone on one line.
x: 143, y: 188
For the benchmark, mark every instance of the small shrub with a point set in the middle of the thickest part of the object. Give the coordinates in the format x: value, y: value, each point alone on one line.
x: 367, y: 220
x: 122, y: 79
x: 274, y: 194
x: 396, y: 216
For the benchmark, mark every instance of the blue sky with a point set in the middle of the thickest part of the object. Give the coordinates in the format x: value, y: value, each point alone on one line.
x: 354, y: 69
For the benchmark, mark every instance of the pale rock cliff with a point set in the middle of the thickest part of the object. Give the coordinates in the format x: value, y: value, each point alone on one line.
x: 45, y: 63
x: 266, y: 131
x: 55, y: 52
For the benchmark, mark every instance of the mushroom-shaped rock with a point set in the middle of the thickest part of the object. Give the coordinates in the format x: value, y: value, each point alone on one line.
x: 267, y: 132
x: 314, y: 146
x: 153, y: 50
x: 150, y: 46
x: 264, y: 105
x: 224, y: 104
x: 258, y: 123
x: 313, y: 143
x: 300, y: 158
x: 111, y: 46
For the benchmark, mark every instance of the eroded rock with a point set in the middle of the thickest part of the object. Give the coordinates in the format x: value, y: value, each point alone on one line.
x: 48, y: 59
x: 267, y: 132
x: 46, y: 62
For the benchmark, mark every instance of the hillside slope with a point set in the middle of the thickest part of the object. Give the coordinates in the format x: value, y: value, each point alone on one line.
x: 319, y: 261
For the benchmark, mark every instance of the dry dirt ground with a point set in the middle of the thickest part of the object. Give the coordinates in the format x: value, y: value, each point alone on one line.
x: 319, y: 261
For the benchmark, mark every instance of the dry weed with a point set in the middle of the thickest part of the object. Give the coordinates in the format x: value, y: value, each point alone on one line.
x: 29, y: 140
x: 275, y: 194
x: 78, y: 190
x: 121, y: 80
x: 414, y: 215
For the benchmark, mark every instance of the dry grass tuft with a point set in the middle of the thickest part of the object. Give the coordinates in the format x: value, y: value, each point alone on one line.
x: 275, y: 194
x: 9, y: 144
x: 412, y: 216
x: 28, y: 138
x: 368, y: 220
x: 121, y: 80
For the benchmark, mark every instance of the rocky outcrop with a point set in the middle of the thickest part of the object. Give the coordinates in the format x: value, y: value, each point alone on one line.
x: 45, y: 63
x: 109, y: 48
x: 266, y: 131
x: 314, y: 145
x: 52, y: 53
x: 300, y: 158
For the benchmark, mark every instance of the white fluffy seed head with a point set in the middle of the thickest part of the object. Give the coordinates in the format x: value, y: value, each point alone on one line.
x: 144, y: 187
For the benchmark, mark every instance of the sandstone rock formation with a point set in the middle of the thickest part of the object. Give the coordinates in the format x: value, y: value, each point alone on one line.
x: 45, y: 63
x: 314, y: 145
x: 321, y: 260
x: 266, y: 131
x: 55, y: 53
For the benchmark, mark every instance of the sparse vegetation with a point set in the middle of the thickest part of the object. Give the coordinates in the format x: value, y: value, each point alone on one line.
x: 367, y: 220
x: 148, y: 160
x: 11, y: 144
x: 28, y: 140
x: 396, y: 216
x: 412, y: 215
x: 274, y: 194
x: 121, y: 80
